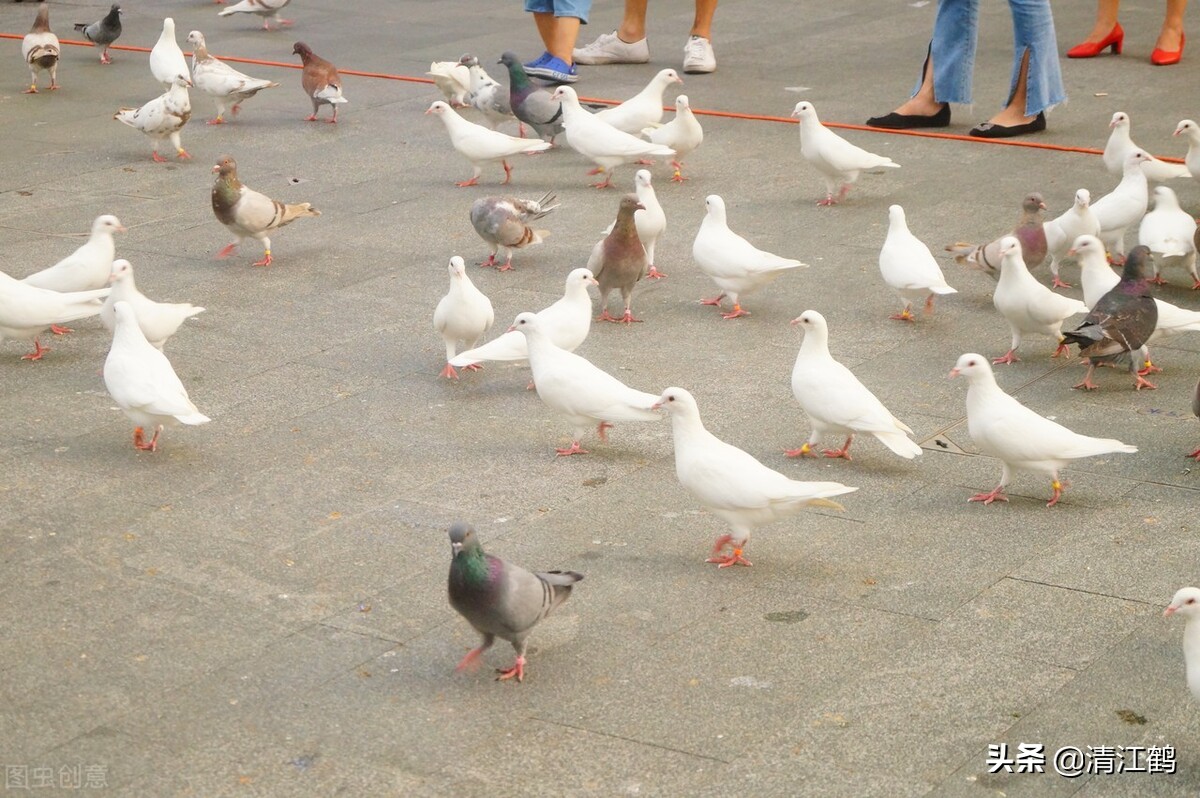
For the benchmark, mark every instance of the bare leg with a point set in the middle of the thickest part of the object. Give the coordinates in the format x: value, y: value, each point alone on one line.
x: 702, y: 24
x: 1106, y: 18
x: 1014, y: 112
x: 923, y: 102
x: 564, y: 32
x: 1170, y: 38
x: 633, y: 22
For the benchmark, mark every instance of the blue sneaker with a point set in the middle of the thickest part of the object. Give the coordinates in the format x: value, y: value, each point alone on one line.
x: 555, y: 70
x: 539, y: 61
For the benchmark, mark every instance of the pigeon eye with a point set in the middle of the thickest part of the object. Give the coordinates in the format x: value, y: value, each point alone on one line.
x: 1191, y: 601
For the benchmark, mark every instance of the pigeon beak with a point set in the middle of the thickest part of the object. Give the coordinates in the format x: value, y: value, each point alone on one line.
x: 794, y: 321
x: 1042, y: 205
x: 1177, y: 131
x: 657, y: 405
x: 954, y: 372
x: 1169, y: 611
x: 593, y: 281
x: 455, y: 547
x: 678, y: 79
x: 640, y: 206
x: 1071, y: 252
x: 122, y: 228
x: 511, y: 328
x: 216, y: 168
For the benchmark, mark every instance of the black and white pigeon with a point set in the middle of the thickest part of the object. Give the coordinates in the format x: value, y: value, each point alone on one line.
x: 619, y: 260
x: 486, y: 95
x: 103, y: 32
x: 1120, y: 323
x: 500, y: 599
x: 40, y: 48
x: 529, y: 102
x: 503, y: 222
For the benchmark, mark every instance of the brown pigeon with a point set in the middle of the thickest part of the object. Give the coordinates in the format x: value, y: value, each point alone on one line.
x: 619, y: 259
x: 320, y: 80
x: 250, y: 214
x: 40, y: 48
x: 1120, y: 323
x: 1029, y: 231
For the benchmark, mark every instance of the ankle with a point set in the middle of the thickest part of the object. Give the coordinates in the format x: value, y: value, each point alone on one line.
x: 630, y: 35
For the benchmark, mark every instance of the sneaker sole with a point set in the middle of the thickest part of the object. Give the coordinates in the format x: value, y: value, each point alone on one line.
x: 699, y: 70
x: 556, y: 77
x: 604, y: 61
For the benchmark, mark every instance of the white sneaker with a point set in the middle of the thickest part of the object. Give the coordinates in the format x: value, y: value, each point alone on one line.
x: 609, y: 49
x: 698, y: 56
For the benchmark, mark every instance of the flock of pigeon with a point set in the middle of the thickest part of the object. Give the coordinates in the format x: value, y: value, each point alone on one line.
x: 1119, y: 316
x: 90, y: 281
x: 501, y: 599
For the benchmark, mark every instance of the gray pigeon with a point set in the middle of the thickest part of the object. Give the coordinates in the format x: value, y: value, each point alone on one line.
x: 1029, y: 231
x: 1120, y: 322
x: 531, y: 104
x: 103, y: 32
x: 500, y: 599
x: 619, y: 259
x: 503, y: 222
x: 486, y: 95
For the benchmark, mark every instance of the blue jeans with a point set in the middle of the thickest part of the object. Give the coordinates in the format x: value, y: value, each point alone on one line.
x: 955, y: 30
x: 561, y: 8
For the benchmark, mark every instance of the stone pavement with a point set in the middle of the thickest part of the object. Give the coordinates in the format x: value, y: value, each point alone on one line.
x: 259, y: 607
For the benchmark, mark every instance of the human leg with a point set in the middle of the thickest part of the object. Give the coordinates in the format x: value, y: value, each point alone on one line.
x: 1106, y: 22
x: 1037, y: 84
x: 1169, y: 47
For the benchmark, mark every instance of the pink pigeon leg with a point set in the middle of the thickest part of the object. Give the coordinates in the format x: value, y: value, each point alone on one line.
x: 1061, y: 349
x: 843, y: 452
x: 105, y: 58
x: 474, y: 181
x: 158, y: 158
x: 266, y: 259
x: 1087, y: 383
x: 333, y: 121
x: 54, y: 328
x: 227, y: 250
x: 714, y: 301
x: 606, y: 184
x: 507, y: 173
x: 1009, y: 357
x: 1195, y: 455
x: 929, y: 304
x: 517, y: 671
x: 628, y: 318
x: 904, y: 315
x: 1141, y: 382
x: 491, y: 261
x: 1057, y: 283
x: 1148, y: 368
x: 471, y: 660
x: 803, y: 451
x: 654, y: 274
x: 575, y: 448
x: 644, y: 162
x: 987, y: 498
x: 216, y: 120
x: 449, y: 372
x: 311, y: 118
x: 736, y: 312
x: 1196, y: 283
x: 601, y: 430
x: 474, y: 367
x: 1058, y: 489
x: 38, y: 351
x: 599, y: 170
x: 733, y: 558
x: 606, y: 316
x: 507, y: 267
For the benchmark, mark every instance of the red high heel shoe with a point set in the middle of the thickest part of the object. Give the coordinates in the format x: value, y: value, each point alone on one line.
x: 1168, y: 57
x: 1115, y: 39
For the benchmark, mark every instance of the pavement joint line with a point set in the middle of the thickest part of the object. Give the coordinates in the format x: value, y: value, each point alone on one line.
x: 1028, y: 581
x: 633, y: 740
x: 697, y: 111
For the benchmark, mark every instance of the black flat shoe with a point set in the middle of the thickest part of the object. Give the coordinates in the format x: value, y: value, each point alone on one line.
x: 895, y: 121
x: 990, y: 131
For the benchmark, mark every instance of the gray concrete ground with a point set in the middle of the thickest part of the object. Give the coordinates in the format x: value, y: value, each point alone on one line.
x: 259, y: 608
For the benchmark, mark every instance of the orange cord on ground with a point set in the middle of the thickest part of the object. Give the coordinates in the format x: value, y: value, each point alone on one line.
x: 1037, y: 145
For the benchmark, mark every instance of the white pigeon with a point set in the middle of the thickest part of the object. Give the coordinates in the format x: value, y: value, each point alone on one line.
x: 162, y: 118
x: 453, y: 79
x: 600, y: 142
x: 1019, y: 438
x: 1120, y: 144
x: 1124, y: 206
x: 267, y: 9
x: 142, y: 382
x: 650, y: 221
x: 218, y: 80
x: 575, y: 388
x: 158, y: 320
x: 1027, y: 305
x: 733, y: 263
x: 642, y: 109
x: 486, y: 95
x: 1061, y: 231
x: 1189, y: 128
x: 835, y: 401
x: 26, y: 310
x: 41, y: 50
x: 166, y: 59
x: 88, y: 267
x: 732, y: 484
x: 566, y: 322
x: 1098, y: 278
x: 908, y: 267
x: 1170, y: 234
x: 682, y: 134
x: 838, y: 161
x: 463, y: 314
x: 481, y: 145
x: 1186, y: 602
